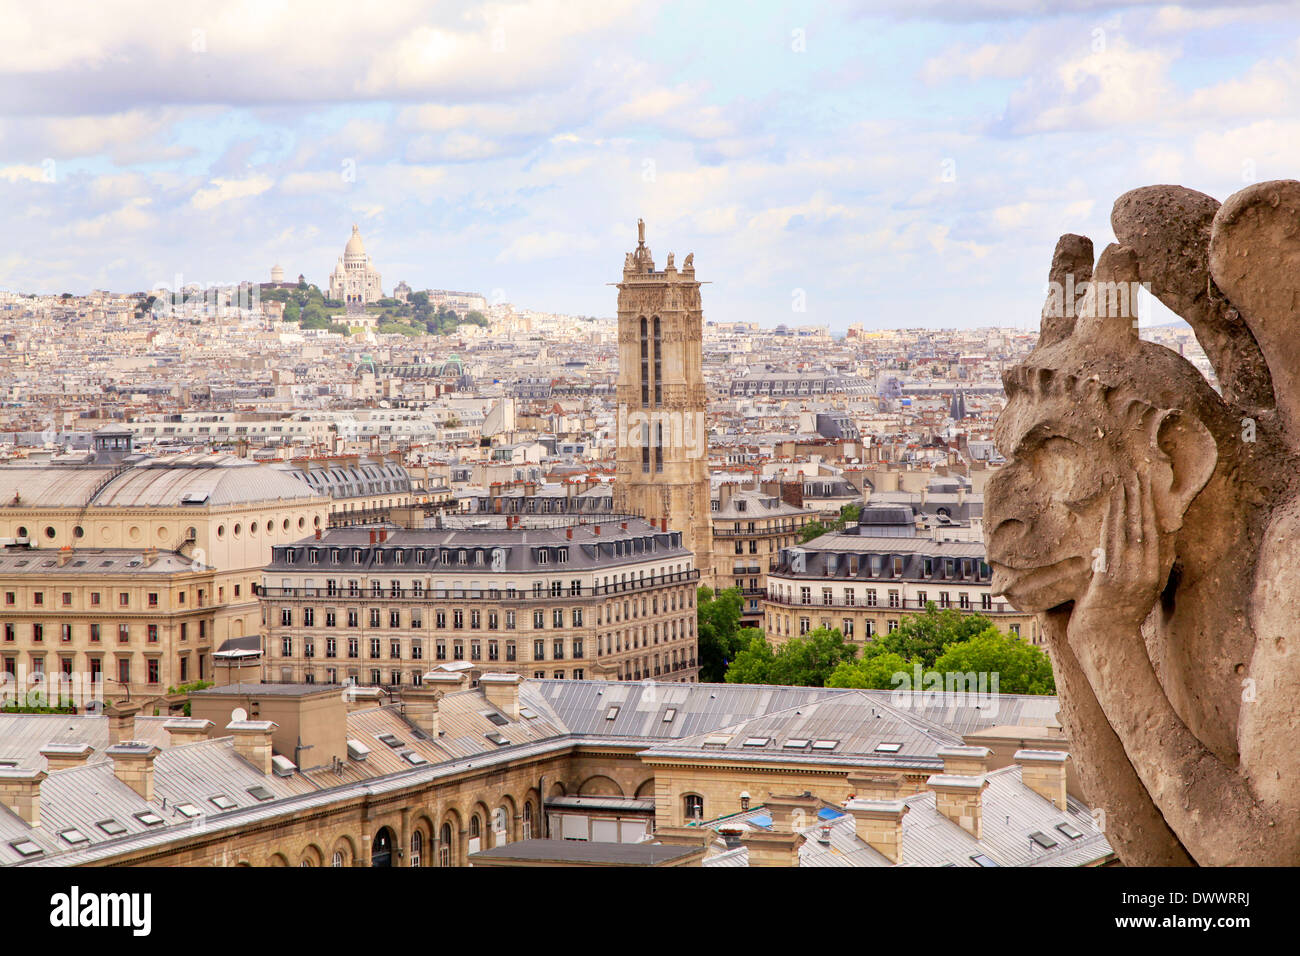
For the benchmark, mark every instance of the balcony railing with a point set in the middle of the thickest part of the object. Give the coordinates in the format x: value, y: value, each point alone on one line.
x: 903, y: 604
x: 481, y: 594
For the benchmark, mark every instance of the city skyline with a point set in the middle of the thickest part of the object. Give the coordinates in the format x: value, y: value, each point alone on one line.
x: 882, y: 164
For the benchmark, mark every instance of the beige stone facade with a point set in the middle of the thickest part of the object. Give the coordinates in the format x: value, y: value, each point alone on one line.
x: 608, y: 602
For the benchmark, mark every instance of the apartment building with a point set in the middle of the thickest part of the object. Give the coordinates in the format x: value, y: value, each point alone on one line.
x: 866, y: 586
x: 194, y: 531
x: 380, y: 607
x: 750, y: 528
x: 104, y: 622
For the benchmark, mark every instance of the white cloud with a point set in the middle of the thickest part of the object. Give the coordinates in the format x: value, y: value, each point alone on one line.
x: 224, y: 190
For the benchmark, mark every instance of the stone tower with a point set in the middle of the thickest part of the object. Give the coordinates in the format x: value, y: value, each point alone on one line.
x: 663, y: 449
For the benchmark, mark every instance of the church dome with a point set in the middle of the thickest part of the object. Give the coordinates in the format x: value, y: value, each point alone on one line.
x: 355, y: 246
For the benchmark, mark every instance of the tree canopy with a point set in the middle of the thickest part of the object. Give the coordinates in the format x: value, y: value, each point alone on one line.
x: 946, y: 642
x: 816, y: 529
x: 718, y: 627
x: 806, y: 661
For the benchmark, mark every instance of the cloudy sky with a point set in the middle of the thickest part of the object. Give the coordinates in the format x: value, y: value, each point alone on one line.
x: 896, y: 163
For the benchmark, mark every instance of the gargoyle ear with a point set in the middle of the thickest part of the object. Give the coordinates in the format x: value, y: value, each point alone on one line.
x: 1186, y: 460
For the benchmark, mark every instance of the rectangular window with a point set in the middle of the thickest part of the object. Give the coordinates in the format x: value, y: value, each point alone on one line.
x: 559, y: 649
x: 152, y: 635
x: 123, y: 633
x: 510, y: 650
x: 539, y: 650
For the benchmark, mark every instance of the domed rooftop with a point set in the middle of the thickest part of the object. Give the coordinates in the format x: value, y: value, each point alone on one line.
x: 355, y: 246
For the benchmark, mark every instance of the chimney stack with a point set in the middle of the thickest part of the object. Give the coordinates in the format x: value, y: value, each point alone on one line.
x: 879, y: 824
x: 959, y: 797
x: 372, y: 537
x: 133, y: 765
x: 20, y: 791
x: 502, y: 692
x: 121, y: 721
x: 420, y: 706
x: 186, y: 730
x: 383, y: 535
x: 772, y: 849
x: 965, y: 761
x: 253, y: 741
x: 792, y: 812
x: 876, y: 786
x: 1043, y: 771
x: 62, y: 756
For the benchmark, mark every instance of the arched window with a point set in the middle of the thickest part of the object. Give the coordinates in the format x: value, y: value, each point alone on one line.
x: 659, y: 389
x: 417, y: 846
x: 526, y: 828
x: 645, y: 366
x: 694, y: 804
x: 444, y: 845
x: 475, y: 833
x: 338, y: 859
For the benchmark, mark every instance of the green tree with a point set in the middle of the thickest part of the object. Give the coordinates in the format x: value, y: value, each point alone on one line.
x: 806, y: 661
x: 753, y: 665
x: 814, y: 529
x: 718, y: 628
x: 818, y: 528
x: 1020, y: 667
x: 924, y: 636
x: 873, y: 671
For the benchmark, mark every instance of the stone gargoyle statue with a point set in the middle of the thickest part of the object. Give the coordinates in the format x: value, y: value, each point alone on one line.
x: 1153, y: 523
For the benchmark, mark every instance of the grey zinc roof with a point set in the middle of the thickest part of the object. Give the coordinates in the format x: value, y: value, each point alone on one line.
x: 96, y: 561
x: 856, y: 723
x: 584, y: 706
x: 971, y: 713
x: 23, y: 735
x: 157, y: 482
x: 586, y: 549
x: 1011, y: 812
